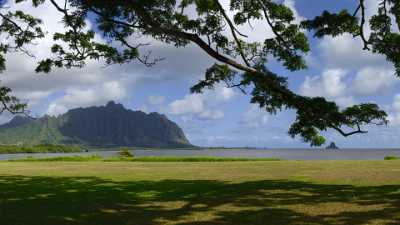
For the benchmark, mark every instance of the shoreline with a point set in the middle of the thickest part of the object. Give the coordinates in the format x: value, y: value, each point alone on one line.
x: 284, y: 154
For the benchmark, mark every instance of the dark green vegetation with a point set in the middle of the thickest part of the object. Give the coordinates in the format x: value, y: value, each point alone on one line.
x: 107, y: 126
x: 39, y: 149
x: 75, y: 158
x: 240, y: 193
x: 130, y: 158
x: 240, y: 63
x: 392, y: 157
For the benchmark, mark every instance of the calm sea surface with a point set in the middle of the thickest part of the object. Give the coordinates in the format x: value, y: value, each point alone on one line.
x: 289, y: 154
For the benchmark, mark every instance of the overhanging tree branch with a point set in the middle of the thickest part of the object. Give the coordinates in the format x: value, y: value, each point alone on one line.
x: 233, y: 31
x: 154, y: 27
x: 362, y: 34
x: 166, y: 22
x: 272, y: 26
x: 344, y: 134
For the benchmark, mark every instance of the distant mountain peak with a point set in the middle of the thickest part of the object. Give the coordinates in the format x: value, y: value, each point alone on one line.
x: 112, y: 104
x: 109, y: 125
x: 19, y: 118
x: 17, y: 121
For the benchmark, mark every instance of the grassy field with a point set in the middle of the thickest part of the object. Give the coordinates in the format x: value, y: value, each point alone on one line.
x: 202, y: 193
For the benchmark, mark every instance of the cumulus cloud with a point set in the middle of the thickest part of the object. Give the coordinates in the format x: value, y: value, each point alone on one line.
x: 254, y: 117
x: 38, y: 88
x: 396, y: 102
x: 223, y: 93
x: 211, y: 114
x: 80, y: 86
x: 374, y: 80
x: 202, y: 106
x: 346, y: 52
x: 330, y: 84
x: 292, y: 5
x: 259, y: 29
x: 189, y: 104
x: 80, y: 97
x: 195, y: 68
x: 373, y: 75
x: 367, y: 74
x: 394, y: 115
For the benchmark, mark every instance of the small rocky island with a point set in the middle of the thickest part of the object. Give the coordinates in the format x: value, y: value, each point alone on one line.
x: 332, y: 145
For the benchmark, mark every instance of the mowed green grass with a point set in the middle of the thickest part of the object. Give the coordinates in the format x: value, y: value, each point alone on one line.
x: 202, y: 193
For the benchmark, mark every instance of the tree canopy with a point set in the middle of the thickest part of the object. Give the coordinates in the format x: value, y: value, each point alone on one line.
x: 239, y: 63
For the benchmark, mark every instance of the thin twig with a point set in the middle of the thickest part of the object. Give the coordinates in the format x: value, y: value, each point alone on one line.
x: 233, y: 31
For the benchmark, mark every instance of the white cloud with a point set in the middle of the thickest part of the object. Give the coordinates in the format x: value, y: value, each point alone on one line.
x: 189, y: 104
x: 259, y: 30
x: 346, y: 52
x: 396, y: 102
x: 394, y: 115
x: 33, y: 97
x: 38, y: 88
x: 194, y: 105
x: 224, y: 94
x: 155, y: 100
x: 330, y: 84
x: 211, y: 114
x: 345, y: 101
x: 292, y: 5
x: 254, y: 117
x: 262, y: 28
x: 20, y: 75
x: 202, y: 106
x: 367, y: 74
x: 374, y: 80
x: 80, y: 97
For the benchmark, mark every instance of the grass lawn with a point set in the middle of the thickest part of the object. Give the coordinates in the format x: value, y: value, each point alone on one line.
x: 203, y: 193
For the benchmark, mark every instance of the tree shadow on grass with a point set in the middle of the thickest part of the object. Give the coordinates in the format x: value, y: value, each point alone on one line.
x: 95, y: 201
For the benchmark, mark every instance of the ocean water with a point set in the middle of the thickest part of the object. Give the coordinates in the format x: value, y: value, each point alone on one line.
x: 288, y: 154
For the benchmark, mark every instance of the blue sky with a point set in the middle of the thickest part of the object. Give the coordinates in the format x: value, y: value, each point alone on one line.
x: 338, y: 70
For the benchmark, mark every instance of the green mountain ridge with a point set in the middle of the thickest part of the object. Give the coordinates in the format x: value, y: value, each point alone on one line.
x: 105, y: 126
